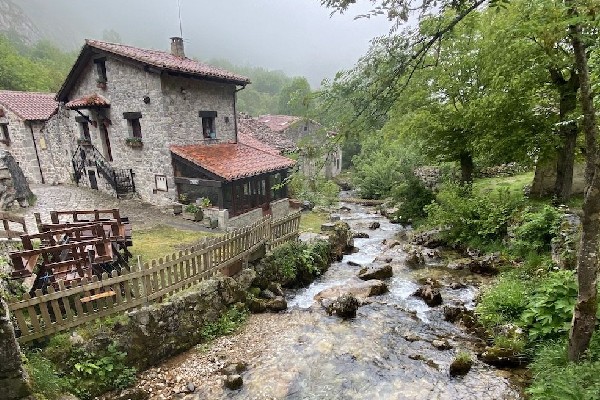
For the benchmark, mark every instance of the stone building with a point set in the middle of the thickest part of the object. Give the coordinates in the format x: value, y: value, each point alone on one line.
x: 287, y: 134
x: 30, y: 131
x: 161, y: 125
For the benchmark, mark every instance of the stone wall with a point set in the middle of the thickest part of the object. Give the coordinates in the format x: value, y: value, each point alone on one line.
x: 13, y: 184
x: 545, y: 178
x: 246, y: 219
x: 171, y: 116
x: 154, y: 333
x: 429, y: 175
x: 281, y: 208
x: 21, y: 145
x: 60, y: 144
x: 14, y: 382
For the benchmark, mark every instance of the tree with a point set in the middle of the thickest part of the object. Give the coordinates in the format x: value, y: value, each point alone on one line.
x: 584, y: 318
x: 295, y: 98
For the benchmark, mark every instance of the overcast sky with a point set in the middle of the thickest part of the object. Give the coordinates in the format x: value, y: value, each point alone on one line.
x: 296, y: 36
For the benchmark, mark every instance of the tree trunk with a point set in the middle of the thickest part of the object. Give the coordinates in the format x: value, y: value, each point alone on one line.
x: 584, y: 316
x: 466, y: 168
x: 567, y: 130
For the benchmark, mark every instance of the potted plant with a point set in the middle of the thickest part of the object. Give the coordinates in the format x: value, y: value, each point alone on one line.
x: 193, y: 212
x: 134, y: 142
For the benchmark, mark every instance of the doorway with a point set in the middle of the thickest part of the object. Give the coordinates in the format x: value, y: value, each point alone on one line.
x: 92, y: 179
x: 105, y: 142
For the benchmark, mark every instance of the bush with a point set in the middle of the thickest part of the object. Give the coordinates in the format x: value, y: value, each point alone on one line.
x: 504, y: 302
x: 472, y: 219
x: 316, y: 190
x: 555, y: 378
x: 295, y: 263
x: 536, y: 230
x: 412, y: 196
x: 550, y: 310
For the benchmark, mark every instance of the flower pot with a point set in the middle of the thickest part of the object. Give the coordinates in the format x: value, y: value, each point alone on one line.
x: 197, y: 216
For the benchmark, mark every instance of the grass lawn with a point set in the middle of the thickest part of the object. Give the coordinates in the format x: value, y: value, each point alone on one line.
x: 514, y: 183
x: 159, y: 241
x: 310, y: 221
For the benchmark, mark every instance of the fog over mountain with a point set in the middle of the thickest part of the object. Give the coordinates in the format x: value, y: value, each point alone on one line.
x: 296, y: 36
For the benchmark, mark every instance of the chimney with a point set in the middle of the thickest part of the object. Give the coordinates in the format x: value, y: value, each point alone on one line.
x: 177, y: 47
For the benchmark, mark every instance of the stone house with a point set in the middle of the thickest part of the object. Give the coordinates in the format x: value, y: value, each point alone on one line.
x: 289, y: 134
x: 163, y: 126
x: 30, y: 131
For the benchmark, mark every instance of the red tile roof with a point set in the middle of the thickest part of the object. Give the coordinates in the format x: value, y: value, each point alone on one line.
x: 168, y: 61
x: 232, y: 161
x: 91, y: 101
x: 278, y: 123
x: 29, y: 106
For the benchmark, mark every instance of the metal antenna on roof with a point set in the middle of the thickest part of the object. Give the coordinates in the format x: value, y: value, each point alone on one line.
x: 180, y: 28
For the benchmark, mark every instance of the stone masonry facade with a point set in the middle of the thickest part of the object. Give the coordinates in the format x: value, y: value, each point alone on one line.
x: 169, y: 116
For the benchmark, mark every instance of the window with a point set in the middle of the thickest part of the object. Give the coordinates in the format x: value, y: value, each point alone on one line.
x: 208, y: 124
x: 101, y: 70
x: 305, y: 128
x: 133, y: 120
x: 4, y: 136
x: 84, y: 129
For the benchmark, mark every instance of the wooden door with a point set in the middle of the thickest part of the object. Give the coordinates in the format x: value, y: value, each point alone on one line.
x: 105, y: 142
x: 92, y: 179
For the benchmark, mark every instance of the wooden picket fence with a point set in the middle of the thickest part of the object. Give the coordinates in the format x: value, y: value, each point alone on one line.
x: 58, y: 310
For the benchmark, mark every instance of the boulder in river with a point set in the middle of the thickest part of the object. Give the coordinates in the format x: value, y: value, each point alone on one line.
x: 502, y: 357
x: 233, y: 382
x: 374, y: 225
x: 376, y: 272
x: 430, y: 239
x: 360, y: 235
x: 344, y: 306
x: 414, y: 256
x: 356, y: 287
x: 430, y: 295
x: 461, y: 365
x: 353, y: 263
x: 486, y: 265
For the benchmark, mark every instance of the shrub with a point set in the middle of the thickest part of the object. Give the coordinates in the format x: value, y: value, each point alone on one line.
x: 555, y: 378
x: 295, y: 263
x: 412, y: 196
x: 228, y: 323
x: 504, y: 302
x: 550, y: 309
x: 535, y: 232
x: 316, y: 190
x: 46, y: 382
x: 472, y: 219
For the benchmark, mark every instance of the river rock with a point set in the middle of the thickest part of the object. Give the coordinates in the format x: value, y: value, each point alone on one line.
x: 430, y: 239
x: 376, y: 272
x: 374, y: 225
x: 132, y: 394
x: 277, y: 304
x: 344, y: 208
x: 233, y: 382
x: 486, y: 265
x: 256, y: 305
x: 344, y: 306
x: 360, y: 235
x: 245, y: 278
x: 441, y: 344
x: 340, y: 237
x: 429, y: 281
x: 275, y: 288
x: 234, y: 368
x: 353, y: 263
x: 502, y: 357
x: 414, y: 256
x: 356, y: 287
x: 460, y: 366
x: 267, y: 294
x: 459, y: 313
x: 430, y: 295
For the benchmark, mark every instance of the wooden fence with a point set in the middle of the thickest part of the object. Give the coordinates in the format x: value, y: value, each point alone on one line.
x: 58, y: 310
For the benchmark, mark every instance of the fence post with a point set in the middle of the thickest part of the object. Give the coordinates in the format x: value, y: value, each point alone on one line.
x: 268, y: 233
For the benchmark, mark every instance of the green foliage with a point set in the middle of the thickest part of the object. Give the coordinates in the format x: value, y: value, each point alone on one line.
x: 228, y: 323
x: 412, y: 196
x: 472, y: 219
x: 550, y: 309
x: 463, y: 357
x: 503, y: 302
x: 95, y: 373
x: 192, y: 208
x: 536, y: 230
x: 295, y: 263
x: 295, y: 98
x: 47, y: 384
x: 555, y: 378
x: 314, y: 189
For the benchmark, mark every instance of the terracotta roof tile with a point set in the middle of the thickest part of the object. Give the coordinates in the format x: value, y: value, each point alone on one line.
x: 29, y: 106
x: 232, y: 161
x: 168, y: 61
x: 93, y: 100
x: 278, y: 123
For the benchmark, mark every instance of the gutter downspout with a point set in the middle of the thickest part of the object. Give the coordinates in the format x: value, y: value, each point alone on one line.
x: 37, y: 156
x: 235, y: 111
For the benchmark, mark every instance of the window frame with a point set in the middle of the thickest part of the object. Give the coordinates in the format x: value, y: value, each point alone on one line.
x: 4, y: 134
x: 100, y: 64
x: 134, y: 124
x: 208, y: 122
